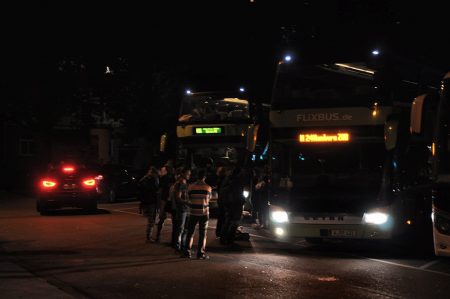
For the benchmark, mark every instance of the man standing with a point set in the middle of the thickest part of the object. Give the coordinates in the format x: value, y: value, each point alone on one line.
x: 221, y: 174
x: 166, y: 180
x: 148, y: 187
x: 199, y: 196
x: 232, y: 188
x: 180, y: 190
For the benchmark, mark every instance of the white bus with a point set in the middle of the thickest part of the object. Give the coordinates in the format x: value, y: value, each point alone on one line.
x: 343, y: 160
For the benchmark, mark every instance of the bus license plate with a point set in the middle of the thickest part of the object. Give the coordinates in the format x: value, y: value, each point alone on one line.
x: 343, y: 233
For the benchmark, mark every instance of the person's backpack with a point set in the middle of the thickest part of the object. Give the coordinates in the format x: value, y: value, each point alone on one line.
x: 240, y: 236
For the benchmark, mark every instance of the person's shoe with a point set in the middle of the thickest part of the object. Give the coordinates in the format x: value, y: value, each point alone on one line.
x: 203, y: 257
x: 150, y: 241
x: 186, y: 254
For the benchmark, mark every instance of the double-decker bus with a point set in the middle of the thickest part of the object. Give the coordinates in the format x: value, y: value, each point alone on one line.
x: 342, y: 157
x: 430, y: 116
x: 441, y: 173
x: 216, y: 128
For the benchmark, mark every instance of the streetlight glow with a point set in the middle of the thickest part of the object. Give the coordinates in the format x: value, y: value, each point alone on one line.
x: 241, y: 89
x: 375, y: 52
x: 287, y: 58
x: 188, y: 91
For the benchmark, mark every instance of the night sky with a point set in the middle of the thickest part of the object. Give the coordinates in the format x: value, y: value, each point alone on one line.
x: 54, y: 55
x: 237, y: 42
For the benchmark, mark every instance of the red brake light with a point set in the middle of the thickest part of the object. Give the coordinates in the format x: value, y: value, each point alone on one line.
x: 68, y: 169
x: 89, y: 182
x: 48, y: 183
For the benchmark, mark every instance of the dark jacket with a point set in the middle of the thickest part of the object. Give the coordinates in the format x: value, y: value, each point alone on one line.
x: 148, y: 190
x: 232, y: 188
x: 164, y: 186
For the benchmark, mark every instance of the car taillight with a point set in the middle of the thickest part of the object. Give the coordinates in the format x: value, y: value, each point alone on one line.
x: 89, y: 182
x: 47, y: 184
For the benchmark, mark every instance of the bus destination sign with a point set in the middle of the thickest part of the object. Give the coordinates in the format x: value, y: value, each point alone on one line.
x: 324, y: 137
x: 208, y: 131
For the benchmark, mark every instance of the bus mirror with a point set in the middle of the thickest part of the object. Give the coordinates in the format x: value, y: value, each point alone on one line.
x: 252, y: 136
x: 416, y: 114
x: 163, y: 143
x: 390, y: 134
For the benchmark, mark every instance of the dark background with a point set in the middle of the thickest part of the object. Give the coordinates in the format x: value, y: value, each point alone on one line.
x: 55, y: 57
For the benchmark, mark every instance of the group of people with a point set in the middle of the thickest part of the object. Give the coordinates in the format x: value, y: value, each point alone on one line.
x: 168, y: 191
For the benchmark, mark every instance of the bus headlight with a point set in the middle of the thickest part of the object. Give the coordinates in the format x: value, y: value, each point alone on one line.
x: 279, y: 231
x: 279, y: 216
x: 377, y: 218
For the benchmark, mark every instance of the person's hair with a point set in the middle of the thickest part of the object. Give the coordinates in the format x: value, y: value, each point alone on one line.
x: 201, y: 174
x: 153, y: 170
x: 181, y: 171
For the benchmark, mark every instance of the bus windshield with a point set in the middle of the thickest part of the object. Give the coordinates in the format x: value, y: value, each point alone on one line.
x: 338, y: 178
x: 213, y: 108
x: 322, y: 86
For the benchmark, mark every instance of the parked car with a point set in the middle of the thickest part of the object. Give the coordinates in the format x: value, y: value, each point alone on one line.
x: 67, y: 185
x: 116, y: 182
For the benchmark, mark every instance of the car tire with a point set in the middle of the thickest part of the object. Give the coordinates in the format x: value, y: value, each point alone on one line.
x: 112, y: 196
x: 91, y: 208
x: 41, y: 209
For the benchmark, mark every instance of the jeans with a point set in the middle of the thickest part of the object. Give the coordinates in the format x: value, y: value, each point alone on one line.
x: 181, y: 231
x: 202, y: 227
x: 149, y: 212
x: 163, y: 211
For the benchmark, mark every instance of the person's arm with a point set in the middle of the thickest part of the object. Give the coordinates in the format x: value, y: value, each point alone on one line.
x: 152, y: 185
x: 184, y: 195
x: 209, y: 196
x: 177, y: 192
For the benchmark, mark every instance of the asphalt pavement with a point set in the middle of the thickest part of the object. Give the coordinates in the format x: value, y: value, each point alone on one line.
x: 75, y: 254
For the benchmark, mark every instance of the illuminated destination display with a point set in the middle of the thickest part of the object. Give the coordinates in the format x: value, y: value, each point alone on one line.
x: 210, y: 130
x: 325, y: 137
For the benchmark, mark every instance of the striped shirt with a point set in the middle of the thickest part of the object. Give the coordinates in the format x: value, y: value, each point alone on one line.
x: 199, y: 196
